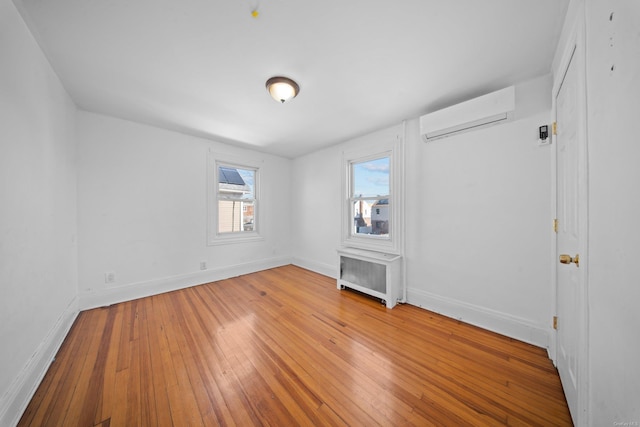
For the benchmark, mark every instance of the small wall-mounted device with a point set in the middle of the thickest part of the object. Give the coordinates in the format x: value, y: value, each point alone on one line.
x: 544, y: 132
x: 543, y: 135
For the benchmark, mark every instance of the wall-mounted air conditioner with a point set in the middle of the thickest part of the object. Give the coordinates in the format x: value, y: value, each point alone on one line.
x: 493, y: 108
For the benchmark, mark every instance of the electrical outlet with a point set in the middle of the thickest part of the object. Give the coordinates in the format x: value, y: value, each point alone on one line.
x: 109, y: 277
x: 203, y: 265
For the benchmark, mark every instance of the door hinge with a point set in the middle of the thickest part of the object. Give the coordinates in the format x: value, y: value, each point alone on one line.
x: 555, y: 322
x: 554, y: 128
x: 555, y: 225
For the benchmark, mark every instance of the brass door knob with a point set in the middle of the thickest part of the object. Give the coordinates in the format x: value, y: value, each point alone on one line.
x: 566, y: 259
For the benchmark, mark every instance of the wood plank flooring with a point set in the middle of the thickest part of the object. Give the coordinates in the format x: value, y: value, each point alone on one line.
x: 284, y: 347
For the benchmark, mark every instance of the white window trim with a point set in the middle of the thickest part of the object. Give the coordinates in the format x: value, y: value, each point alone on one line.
x: 393, y: 242
x: 213, y: 237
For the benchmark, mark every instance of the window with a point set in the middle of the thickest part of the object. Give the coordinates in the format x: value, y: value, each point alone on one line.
x: 370, y: 194
x: 233, y: 206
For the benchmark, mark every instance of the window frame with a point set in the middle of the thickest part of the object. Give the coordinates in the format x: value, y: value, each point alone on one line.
x: 214, y: 236
x: 390, y: 243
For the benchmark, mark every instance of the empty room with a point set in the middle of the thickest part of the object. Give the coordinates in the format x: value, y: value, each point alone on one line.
x: 319, y: 213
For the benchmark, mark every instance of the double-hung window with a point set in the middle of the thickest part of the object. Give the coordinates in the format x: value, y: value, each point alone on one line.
x: 234, y: 202
x: 371, y: 214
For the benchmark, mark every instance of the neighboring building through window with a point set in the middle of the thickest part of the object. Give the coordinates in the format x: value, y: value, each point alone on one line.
x: 380, y: 218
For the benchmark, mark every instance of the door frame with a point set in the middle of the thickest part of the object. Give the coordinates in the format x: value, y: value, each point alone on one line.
x: 574, y: 49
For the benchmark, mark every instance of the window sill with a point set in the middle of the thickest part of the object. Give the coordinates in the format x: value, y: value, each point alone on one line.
x: 234, y: 238
x: 377, y: 244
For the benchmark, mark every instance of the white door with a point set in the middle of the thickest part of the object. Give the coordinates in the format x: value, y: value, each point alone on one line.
x: 570, y: 149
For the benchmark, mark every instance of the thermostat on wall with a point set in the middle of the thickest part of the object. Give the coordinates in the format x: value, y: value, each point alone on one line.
x: 543, y: 135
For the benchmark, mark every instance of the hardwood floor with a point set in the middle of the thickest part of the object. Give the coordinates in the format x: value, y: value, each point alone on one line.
x: 284, y: 347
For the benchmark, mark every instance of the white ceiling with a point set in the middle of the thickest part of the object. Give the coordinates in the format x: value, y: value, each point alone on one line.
x: 200, y: 66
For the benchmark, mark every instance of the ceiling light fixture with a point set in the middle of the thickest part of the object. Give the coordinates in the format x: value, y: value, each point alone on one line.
x: 282, y: 89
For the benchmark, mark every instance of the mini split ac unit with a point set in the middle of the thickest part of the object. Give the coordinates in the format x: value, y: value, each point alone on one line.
x: 493, y: 108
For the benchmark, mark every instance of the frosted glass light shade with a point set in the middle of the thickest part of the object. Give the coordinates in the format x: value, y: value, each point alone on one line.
x: 282, y: 89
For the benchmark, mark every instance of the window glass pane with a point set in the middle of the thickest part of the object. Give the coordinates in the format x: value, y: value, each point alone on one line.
x: 247, y: 215
x: 380, y: 217
x: 236, y: 199
x: 236, y: 183
x: 371, y: 217
x: 371, y: 178
x: 361, y: 215
x: 235, y: 216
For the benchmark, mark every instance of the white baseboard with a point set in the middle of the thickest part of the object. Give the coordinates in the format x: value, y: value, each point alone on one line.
x: 131, y: 291
x: 17, y: 397
x: 317, y: 267
x: 495, y: 321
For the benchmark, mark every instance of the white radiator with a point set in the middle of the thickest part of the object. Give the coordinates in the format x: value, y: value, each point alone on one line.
x: 373, y: 273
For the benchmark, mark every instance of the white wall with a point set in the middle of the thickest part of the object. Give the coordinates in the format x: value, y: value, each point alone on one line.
x: 316, y: 219
x: 479, y: 225
x: 478, y: 218
x: 614, y: 210
x: 142, y: 211
x: 38, y: 262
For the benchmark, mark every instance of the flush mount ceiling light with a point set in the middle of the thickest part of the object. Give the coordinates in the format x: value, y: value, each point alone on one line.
x: 282, y: 89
